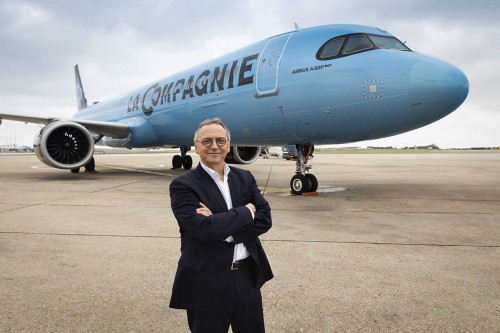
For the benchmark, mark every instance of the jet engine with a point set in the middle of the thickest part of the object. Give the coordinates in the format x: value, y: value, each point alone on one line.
x: 242, y: 155
x: 64, y: 145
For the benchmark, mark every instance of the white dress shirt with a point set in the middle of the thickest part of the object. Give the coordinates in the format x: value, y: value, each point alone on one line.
x: 240, y: 251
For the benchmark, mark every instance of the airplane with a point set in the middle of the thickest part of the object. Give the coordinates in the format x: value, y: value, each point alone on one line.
x: 329, y: 84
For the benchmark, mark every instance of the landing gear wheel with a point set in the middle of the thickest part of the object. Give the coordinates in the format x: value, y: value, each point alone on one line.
x: 90, y: 166
x: 177, y: 162
x: 314, y: 182
x: 300, y: 184
x: 75, y: 170
x: 188, y: 162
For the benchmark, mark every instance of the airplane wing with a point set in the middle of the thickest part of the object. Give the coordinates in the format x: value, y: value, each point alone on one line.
x: 106, y: 128
x: 27, y: 119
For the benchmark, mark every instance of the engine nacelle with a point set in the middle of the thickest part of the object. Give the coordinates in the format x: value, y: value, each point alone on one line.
x: 64, y: 145
x: 242, y: 155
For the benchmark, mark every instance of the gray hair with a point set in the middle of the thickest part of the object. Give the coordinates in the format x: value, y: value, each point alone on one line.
x: 211, y: 121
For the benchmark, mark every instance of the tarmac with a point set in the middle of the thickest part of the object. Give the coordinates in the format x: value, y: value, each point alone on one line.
x: 390, y: 243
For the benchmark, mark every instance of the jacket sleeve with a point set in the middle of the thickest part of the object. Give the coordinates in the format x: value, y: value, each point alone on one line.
x: 185, y: 199
x: 262, y: 221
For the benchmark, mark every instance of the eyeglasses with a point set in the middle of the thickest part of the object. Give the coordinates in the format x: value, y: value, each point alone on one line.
x: 207, y: 142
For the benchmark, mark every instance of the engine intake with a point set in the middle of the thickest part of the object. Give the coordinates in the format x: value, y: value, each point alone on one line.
x: 242, y: 155
x: 64, y: 145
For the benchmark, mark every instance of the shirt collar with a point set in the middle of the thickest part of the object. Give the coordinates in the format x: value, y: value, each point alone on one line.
x: 214, y: 174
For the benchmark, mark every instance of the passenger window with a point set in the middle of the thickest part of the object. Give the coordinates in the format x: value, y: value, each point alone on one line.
x: 332, y: 48
x: 356, y: 44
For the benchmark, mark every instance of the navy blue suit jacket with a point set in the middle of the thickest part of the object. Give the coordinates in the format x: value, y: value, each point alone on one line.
x: 203, y: 270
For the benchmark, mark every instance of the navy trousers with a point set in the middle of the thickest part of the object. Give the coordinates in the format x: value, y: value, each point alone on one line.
x: 240, y: 308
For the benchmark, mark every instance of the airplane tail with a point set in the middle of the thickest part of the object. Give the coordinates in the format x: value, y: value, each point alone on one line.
x: 80, y: 95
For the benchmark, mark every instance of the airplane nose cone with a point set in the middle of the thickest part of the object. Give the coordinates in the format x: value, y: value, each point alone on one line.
x: 436, y: 89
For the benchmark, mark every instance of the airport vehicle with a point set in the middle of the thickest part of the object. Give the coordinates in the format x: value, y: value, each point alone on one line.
x: 267, y: 152
x: 322, y: 85
x: 275, y: 151
x: 291, y: 152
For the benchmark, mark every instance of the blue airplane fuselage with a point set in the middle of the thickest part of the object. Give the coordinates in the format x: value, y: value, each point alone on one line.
x: 279, y: 91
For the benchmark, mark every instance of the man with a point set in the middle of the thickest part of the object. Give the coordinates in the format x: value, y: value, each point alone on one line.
x: 221, y: 213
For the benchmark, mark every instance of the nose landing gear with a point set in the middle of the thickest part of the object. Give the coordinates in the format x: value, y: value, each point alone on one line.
x: 302, y: 182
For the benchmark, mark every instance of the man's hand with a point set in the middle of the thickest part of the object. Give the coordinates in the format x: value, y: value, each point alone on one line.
x: 203, y: 210
x: 251, y: 207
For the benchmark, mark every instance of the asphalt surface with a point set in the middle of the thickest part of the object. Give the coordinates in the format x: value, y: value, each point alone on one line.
x: 391, y: 243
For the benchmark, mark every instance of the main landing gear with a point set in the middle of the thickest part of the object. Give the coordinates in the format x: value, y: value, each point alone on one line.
x: 183, y: 160
x: 89, y: 167
x: 302, y: 182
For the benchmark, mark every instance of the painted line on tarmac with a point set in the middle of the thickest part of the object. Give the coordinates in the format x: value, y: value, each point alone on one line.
x: 137, y: 170
x: 296, y: 241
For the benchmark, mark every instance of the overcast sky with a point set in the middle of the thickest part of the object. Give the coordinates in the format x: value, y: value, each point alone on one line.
x: 121, y: 45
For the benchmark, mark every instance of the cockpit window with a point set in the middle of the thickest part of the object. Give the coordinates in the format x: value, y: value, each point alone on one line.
x: 331, y: 48
x: 356, y: 44
x: 347, y: 45
x: 384, y: 42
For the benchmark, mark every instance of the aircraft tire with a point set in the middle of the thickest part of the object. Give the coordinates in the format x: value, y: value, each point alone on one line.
x: 177, y: 162
x: 300, y: 184
x: 75, y: 170
x: 90, y: 166
x: 314, y: 182
x: 187, y: 162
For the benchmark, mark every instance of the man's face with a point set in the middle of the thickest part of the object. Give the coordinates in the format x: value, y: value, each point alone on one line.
x: 214, y: 155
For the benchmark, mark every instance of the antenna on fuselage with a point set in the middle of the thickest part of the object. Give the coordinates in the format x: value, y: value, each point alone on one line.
x: 296, y: 26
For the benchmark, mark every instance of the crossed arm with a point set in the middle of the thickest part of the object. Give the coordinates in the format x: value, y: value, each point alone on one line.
x: 205, y: 211
x: 242, y: 223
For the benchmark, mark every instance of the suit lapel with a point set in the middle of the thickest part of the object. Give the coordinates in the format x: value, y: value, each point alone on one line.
x: 233, y: 188
x: 207, y: 182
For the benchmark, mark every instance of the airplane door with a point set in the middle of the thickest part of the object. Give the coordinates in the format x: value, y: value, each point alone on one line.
x: 269, y: 62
